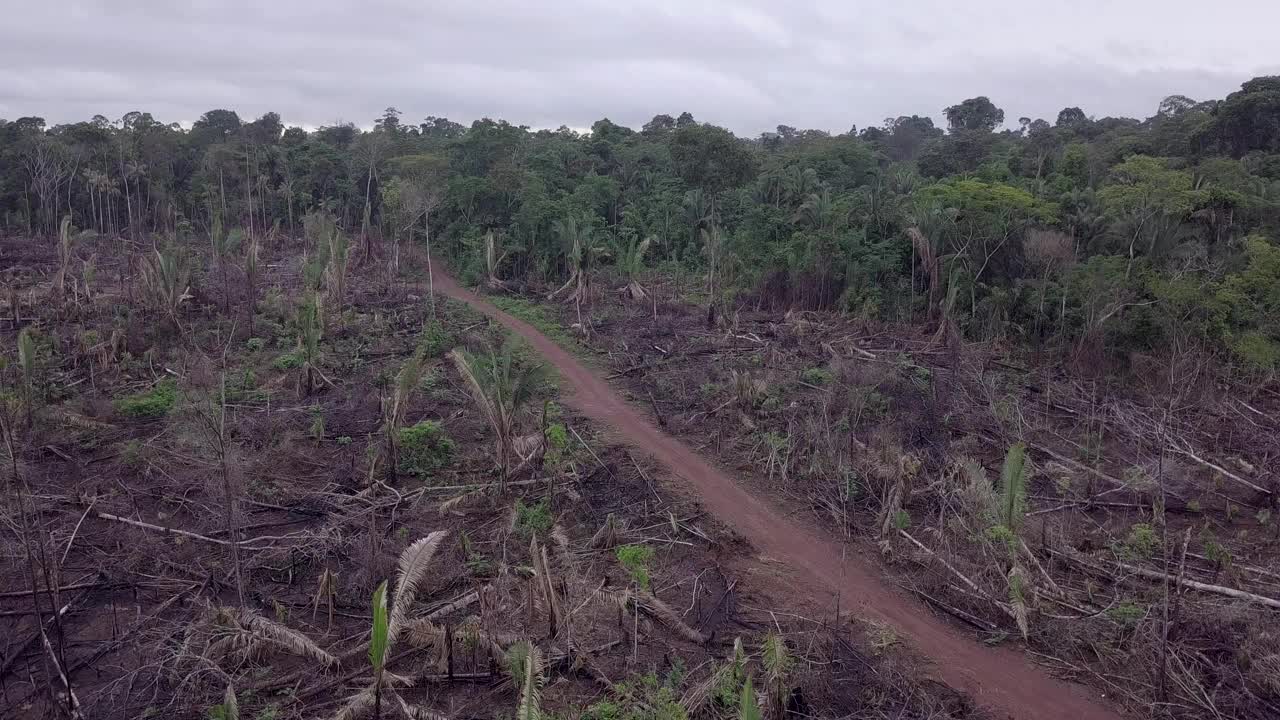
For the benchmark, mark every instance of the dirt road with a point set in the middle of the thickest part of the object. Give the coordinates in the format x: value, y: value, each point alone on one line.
x: 999, y: 679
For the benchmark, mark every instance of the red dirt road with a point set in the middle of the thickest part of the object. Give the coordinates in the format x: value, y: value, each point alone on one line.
x: 999, y: 679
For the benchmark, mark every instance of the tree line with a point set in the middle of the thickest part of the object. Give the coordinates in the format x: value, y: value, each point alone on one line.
x: 1103, y: 234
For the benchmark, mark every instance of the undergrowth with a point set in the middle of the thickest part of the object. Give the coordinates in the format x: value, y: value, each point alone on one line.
x: 153, y: 403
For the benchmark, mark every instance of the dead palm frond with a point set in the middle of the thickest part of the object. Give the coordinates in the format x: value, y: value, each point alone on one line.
x: 238, y: 635
x: 414, y: 562
x: 607, y: 536
x: 546, y: 587
x: 631, y: 598
x: 326, y: 594
x: 230, y: 707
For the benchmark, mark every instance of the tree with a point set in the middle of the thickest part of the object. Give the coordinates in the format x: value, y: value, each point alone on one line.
x: 1150, y: 199
x: 710, y: 157
x: 1249, y: 119
x: 1072, y: 118
x: 977, y: 113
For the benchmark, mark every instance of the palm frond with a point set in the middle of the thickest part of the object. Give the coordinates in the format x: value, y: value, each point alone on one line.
x: 777, y: 667
x: 1013, y: 486
x: 379, y: 643
x: 747, y: 708
x: 230, y: 708
x: 531, y: 685
x: 607, y: 536
x: 356, y: 706
x: 414, y: 562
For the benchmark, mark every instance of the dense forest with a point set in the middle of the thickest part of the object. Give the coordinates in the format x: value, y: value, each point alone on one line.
x: 1097, y: 235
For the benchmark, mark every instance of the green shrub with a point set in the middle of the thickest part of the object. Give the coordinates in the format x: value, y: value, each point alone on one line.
x: 435, y: 341
x: 288, y: 361
x: 816, y: 376
x: 532, y: 519
x: 1127, y: 614
x: 423, y: 448
x: 154, y: 403
x: 635, y: 559
x: 1141, y: 543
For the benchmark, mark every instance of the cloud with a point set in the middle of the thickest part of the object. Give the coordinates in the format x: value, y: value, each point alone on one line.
x: 748, y: 65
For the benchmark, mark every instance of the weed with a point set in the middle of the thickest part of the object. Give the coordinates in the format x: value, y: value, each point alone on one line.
x: 423, y: 448
x: 557, y: 445
x: 535, y: 315
x: 317, y: 423
x: 532, y: 519
x: 635, y: 560
x: 1127, y: 614
x: 133, y: 456
x: 816, y: 376
x: 344, y: 440
x: 288, y: 361
x: 1140, y: 544
x: 435, y: 341
x: 153, y: 403
x: 1216, y: 552
x: 901, y: 520
x: 255, y: 344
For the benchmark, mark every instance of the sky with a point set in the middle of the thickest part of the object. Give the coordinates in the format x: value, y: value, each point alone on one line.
x: 746, y: 65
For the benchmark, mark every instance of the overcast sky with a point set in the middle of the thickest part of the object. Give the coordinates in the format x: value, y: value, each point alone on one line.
x: 743, y: 64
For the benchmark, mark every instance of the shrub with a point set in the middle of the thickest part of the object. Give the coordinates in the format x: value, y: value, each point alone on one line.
x: 154, y: 403
x: 816, y: 376
x: 288, y: 361
x: 635, y: 559
x: 435, y: 341
x: 423, y: 448
x: 532, y: 519
x: 1141, y: 543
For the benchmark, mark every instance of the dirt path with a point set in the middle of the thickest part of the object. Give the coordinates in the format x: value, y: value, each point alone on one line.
x: 999, y: 679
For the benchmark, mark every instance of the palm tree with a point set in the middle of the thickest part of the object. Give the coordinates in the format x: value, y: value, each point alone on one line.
x: 927, y: 221
x: 390, y: 621
x: 631, y: 263
x: 698, y: 212
x: 502, y: 388
x: 576, y: 235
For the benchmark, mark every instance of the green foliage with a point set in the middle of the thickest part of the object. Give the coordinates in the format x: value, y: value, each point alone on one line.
x: 378, y: 641
x: 435, y: 340
x: 532, y: 519
x: 1141, y: 543
x: 816, y: 376
x: 1127, y: 614
x: 288, y: 361
x: 423, y: 448
x: 793, y: 219
x: 748, y: 709
x: 642, y: 698
x: 1013, y: 486
x: 150, y: 404
x: 635, y: 560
